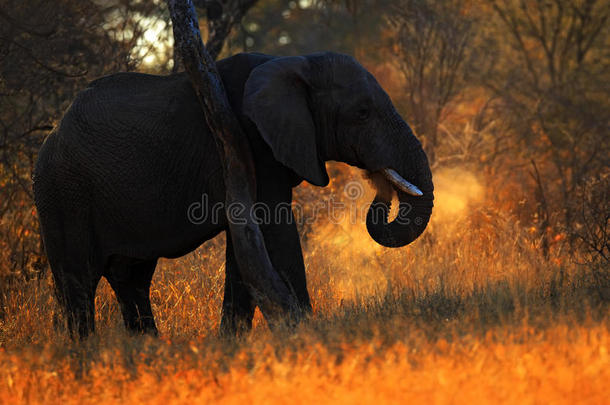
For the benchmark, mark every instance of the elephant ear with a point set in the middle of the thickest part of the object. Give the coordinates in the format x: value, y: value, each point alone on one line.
x: 275, y: 99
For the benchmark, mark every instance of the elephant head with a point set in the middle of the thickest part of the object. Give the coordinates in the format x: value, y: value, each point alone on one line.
x: 326, y: 106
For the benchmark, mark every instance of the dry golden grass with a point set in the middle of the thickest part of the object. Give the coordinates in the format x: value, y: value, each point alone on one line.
x: 561, y: 365
x: 469, y: 313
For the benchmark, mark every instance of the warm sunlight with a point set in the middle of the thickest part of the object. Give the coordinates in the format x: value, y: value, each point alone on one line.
x: 456, y: 190
x: 333, y: 202
x: 154, y: 47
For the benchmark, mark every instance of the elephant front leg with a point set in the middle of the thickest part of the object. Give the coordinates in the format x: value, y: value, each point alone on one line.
x: 284, y: 248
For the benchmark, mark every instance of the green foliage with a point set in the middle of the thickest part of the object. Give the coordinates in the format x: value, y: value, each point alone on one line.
x: 290, y: 27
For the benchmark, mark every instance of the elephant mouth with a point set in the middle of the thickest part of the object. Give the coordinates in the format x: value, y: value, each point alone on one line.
x: 400, y: 183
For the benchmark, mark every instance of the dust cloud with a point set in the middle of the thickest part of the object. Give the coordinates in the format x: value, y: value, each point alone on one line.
x: 353, y: 266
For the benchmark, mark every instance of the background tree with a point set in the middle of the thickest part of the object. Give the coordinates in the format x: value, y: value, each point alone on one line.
x: 431, y: 46
x: 270, y: 292
x: 222, y: 17
x: 288, y: 27
x: 548, y: 80
x: 48, y: 52
x: 490, y: 86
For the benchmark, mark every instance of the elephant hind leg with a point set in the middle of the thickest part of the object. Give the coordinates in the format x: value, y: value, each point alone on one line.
x: 76, y: 294
x: 131, y: 284
x: 68, y: 247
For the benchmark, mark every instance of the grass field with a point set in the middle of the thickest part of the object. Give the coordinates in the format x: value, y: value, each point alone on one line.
x: 469, y: 313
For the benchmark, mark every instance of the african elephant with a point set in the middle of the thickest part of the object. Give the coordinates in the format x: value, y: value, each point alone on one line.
x: 114, y: 182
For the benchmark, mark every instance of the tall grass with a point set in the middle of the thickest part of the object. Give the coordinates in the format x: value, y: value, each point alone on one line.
x: 469, y: 312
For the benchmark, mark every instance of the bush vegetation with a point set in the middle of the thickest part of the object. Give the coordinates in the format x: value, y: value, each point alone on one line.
x: 503, y: 299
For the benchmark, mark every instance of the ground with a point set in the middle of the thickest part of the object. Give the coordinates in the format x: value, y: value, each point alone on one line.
x: 469, y: 313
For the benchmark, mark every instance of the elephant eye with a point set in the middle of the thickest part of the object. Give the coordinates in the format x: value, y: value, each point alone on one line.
x: 363, y: 113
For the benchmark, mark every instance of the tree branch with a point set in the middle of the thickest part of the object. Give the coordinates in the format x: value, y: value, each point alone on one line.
x: 270, y: 292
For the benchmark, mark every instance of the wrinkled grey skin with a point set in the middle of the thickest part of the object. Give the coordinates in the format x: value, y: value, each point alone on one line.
x: 114, y: 182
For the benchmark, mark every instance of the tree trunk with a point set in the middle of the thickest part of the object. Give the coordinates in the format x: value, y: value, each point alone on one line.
x: 270, y: 292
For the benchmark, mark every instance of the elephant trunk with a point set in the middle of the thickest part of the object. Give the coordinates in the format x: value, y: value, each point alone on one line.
x: 415, y: 205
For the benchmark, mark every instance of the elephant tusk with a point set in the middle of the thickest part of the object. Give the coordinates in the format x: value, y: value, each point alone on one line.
x: 403, y: 185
